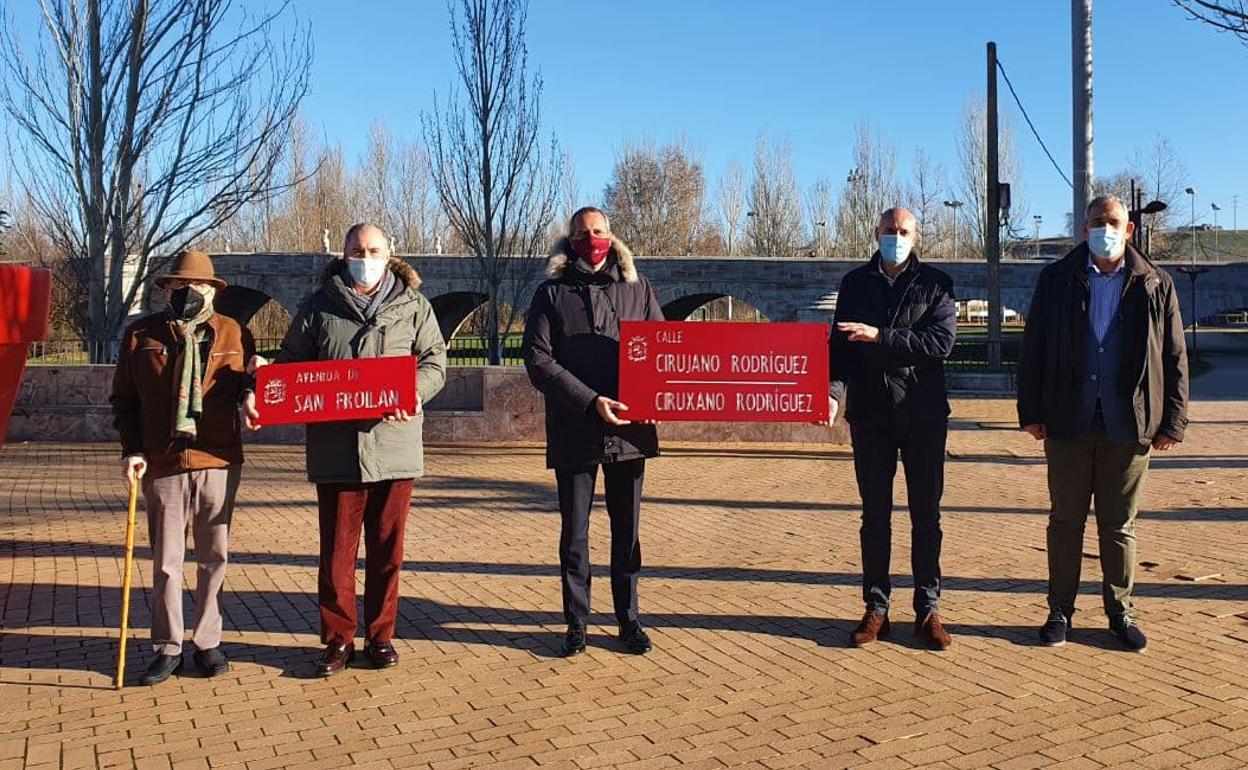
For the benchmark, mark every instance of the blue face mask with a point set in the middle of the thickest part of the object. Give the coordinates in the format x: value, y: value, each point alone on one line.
x: 1105, y: 242
x: 895, y: 249
x: 366, y: 272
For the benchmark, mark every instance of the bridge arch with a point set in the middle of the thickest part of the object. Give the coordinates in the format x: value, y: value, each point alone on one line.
x: 722, y: 307
x: 241, y: 302
x: 454, y: 308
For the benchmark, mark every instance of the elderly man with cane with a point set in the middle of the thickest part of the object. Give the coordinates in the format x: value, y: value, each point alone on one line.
x: 179, y: 379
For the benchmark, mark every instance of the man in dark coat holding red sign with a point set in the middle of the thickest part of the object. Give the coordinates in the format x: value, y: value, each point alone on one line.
x: 571, y: 352
x: 895, y: 326
x: 369, y: 305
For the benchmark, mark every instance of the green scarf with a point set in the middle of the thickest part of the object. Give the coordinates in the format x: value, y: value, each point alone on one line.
x: 191, y: 380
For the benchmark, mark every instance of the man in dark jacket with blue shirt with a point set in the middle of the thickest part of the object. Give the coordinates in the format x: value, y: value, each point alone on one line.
x: 1102, y: 381
x: 895, y: 326
x: 571, y: 351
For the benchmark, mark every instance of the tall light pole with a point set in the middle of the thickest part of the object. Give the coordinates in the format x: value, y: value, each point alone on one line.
x: 856, y: 179
x: 1216, y: 208
x: 992, y: 229
x: 1192, y: 271
x: 953, y: 207
x: 1037, y: 219
x: 1081, y: 112
x: 1191, y: 191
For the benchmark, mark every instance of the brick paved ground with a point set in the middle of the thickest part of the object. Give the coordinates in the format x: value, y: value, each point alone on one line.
x: 750, y: 591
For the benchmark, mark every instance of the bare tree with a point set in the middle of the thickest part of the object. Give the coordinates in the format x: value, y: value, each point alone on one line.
x: 393, y: 188
x: 972, y: 181
x: 775, y: 215
x: 870, y: 189
x: 820, y: 217
x: 375, y: 178
x: 1223, y: 15
x: 143, y: 125
x: 1163, y: 175
x: 928, y: 191
x: 417, y: 219
x: 655, y: 198
x: 730, y: 203
x: 497, y: 184
x: 569, y: 189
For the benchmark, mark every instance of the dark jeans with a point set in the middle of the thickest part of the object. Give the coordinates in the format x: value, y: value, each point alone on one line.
x: 576, y: 496
x: 921, y: 444
x: 380, y: 509
x: 1093, y: 467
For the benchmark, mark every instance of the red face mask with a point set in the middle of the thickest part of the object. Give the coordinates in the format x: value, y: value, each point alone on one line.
x: 592, y: 249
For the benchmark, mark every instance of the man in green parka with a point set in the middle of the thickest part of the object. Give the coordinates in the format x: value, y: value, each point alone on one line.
x: 368, y: 305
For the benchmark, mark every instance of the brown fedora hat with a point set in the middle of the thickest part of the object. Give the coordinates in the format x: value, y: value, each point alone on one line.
x: 191, y: 266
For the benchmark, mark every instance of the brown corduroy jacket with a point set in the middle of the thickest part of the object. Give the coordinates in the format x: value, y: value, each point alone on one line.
x: 145, y: 385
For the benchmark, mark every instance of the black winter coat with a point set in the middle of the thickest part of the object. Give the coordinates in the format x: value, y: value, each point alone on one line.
x: 571, y: 352
x: 1153, y: 371
x: 905, y: 370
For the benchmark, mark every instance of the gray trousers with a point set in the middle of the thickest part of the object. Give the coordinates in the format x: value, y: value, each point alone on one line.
x: 203, y: 502
x: 1094, y: 469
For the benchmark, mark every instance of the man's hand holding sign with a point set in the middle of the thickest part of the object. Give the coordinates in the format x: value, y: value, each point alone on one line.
x: 328, y: 391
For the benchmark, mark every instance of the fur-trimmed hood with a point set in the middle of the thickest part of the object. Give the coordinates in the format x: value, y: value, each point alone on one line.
x: 561, y: 256
x: 403, y: 271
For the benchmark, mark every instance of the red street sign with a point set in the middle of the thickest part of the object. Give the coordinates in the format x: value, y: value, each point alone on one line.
x: 324, y: 391
x: 724, y: 372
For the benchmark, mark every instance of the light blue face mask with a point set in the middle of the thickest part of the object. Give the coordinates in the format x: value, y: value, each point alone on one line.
x: 1105, y: 242
x: 895, y: 249
x: 366, y: 272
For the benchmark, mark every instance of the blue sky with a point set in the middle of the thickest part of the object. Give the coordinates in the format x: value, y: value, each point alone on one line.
x: 718, y: 73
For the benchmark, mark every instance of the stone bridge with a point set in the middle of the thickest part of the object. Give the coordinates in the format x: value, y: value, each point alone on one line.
x: 781, y: 289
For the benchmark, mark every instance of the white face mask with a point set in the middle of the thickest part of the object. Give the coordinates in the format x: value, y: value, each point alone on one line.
x: 367, y: 272
x: 895, y: 249
x: 1106, y: 242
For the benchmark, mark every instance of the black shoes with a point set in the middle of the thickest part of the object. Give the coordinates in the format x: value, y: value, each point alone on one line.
x: 1053, y: 632
x: 161, y: 668
x: 1125, y: 629
x: 634, y: 638
x: 211, y: 662
x: 573, y: 641
x: 381, y: 654
x: 1129, y: 634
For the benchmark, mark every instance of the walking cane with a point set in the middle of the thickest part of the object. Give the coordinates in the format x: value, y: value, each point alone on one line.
x: 125, y: 580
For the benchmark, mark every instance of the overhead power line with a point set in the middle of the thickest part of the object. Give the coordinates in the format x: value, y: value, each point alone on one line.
x: 1031, y: 125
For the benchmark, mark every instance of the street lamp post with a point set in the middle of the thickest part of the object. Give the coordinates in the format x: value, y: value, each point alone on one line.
x: 1216, y: 208
x: 1037, y: 219
x: 953, y: 207
x: 1191, y: 191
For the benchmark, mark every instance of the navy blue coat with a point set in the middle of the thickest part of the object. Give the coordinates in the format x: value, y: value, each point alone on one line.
x: 905, y: 370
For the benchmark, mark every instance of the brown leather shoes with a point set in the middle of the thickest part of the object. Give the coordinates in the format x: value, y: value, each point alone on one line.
x: 334, y: 659
x: 381, y: 654
x: 873, y: 626
x: 931, y: 632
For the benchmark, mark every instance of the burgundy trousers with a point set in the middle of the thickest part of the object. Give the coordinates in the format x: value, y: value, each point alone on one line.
x: 380, y: 509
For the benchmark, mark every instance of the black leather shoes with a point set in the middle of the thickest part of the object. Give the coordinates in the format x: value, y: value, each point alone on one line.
x: 1053, y: 632
x: 161, y: 668
x: 334, y: 659
x: 634, y: 639
x: 381, y: 654
x: 211, y: 662
x: 573, y: 641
